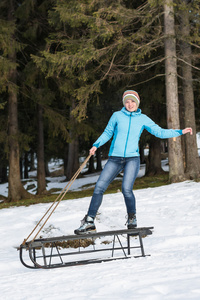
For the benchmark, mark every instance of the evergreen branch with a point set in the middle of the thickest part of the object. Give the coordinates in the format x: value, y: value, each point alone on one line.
x: 111, y: 64
x: 185, y: 62
x: 151, y: 42
x: 57, y: 122
x: 149, y: 79
x: 194, y: 45
x: 182, y: 78
x: 151, y: 64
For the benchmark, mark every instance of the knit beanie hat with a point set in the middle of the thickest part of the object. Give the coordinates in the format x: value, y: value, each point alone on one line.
x: 131, y: 95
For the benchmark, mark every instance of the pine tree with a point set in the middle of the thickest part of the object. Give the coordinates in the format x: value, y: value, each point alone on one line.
x: 191, y: 153
x: 175, y: 149
x: 6, y: 32
x: 39, y: 93
x: 16, y: 190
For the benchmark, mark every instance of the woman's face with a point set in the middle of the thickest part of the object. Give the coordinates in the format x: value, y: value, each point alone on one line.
x: 130, y: 105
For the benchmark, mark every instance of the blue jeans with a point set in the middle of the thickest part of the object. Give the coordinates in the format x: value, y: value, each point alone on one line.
x: 113, y: 167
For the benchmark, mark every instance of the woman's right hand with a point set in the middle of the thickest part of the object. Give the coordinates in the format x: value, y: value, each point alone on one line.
x: 93, y: 150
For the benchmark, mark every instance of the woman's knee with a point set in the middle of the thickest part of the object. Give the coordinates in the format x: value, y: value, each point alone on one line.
x: 127, y: 191
x: 100, y: 187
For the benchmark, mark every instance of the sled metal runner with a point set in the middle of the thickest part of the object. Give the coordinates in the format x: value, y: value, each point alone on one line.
x: 56, y: 252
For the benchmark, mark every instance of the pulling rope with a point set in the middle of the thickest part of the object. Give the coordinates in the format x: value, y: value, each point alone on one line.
x: 56, y: 201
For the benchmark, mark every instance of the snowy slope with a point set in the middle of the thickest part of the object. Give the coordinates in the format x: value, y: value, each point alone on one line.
x: 171, y: 272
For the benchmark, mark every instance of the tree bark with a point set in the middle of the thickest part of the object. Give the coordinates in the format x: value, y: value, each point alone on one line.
x: 3, y: 172
x: 16, y: 190
x: 73, y: 161
x: 98, y: 157
x: 66, y: 150
x: 32, y: 161
x: 73, y: 149
x: 176, y: 168
x: 91, y: 168
x: 154, y: 164
x: 191, y: 152
x: 26, y: 164
x: 41, y: 180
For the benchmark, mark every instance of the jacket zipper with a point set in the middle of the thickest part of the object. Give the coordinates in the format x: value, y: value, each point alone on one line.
x: 127, y: 134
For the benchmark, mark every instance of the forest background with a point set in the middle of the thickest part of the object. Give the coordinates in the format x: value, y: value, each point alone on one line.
x: 64, y: 65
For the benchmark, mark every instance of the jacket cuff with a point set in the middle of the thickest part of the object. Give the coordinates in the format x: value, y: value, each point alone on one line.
x: 96, y: 145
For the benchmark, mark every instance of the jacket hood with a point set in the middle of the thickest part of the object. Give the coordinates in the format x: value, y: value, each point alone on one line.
x: 134, y: 113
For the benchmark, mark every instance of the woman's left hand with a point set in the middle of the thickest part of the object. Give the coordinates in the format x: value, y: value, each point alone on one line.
x: 186, y: 130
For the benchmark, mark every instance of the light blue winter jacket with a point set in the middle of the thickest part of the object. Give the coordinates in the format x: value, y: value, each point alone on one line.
x: 126, y: 128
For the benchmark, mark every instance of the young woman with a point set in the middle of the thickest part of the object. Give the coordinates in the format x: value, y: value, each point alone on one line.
x: 125, y: 126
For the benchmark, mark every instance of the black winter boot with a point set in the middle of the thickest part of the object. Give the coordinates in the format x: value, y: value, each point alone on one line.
x: 87, y: 226
x: 132, y: 221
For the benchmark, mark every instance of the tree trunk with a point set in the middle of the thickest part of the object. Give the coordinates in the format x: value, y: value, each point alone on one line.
x: 182, y: 124
x: 154, y: 165
x: 32, y: 161
x: 142, y: 155
x: 73, y: 161
x: 73, y: 148
x: 26, y: 164
x: 91, y: 168
x: 47, y: 172
x: 98, y: 157
x: 176, y: 168
x: 3, y: 173
x: 3, y: 168
x: 191, y: 152
x: 16, y: 190
x: 66, y: 150
x: 41, y: 181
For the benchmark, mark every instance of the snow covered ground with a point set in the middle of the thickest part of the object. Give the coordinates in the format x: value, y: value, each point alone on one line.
x: 171, y: 272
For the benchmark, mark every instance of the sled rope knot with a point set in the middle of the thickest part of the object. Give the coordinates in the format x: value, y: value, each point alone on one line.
x: 56, y: 202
